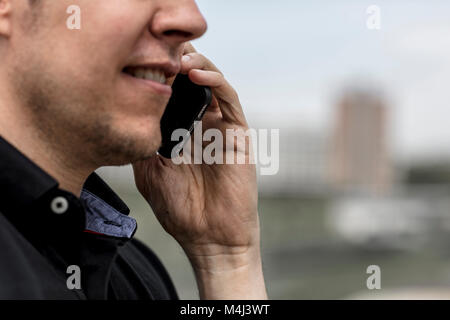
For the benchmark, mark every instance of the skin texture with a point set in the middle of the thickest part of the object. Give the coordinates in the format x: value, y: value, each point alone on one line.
x: 68, y: 106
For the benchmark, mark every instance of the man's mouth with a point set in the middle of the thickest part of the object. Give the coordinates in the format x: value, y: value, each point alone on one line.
x: 150, y: 78
x: 154, y: 76
x: 146, y: 74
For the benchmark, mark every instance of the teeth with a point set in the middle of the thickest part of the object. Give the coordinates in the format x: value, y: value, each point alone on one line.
x: 149, y: 74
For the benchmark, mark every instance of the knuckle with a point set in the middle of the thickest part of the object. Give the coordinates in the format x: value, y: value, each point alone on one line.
x: 197, y: 56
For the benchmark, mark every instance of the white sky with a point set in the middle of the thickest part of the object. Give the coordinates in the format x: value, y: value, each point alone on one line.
x: 289, y: 60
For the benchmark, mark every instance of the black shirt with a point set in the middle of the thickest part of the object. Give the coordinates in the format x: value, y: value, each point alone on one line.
x: 45, y: 231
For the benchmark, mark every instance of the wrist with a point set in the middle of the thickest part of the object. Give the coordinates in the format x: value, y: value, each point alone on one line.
x: 231, y: 252
x: 215, y: 258
x: 233, y: 274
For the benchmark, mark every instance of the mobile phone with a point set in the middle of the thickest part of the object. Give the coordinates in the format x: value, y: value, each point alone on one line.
x: 187, y: 105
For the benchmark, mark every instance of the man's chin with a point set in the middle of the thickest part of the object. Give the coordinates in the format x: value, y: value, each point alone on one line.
x: 145, y: 148
x: 123, y: 150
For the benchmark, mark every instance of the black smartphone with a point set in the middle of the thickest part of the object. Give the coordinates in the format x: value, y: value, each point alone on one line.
x: 187, y: 104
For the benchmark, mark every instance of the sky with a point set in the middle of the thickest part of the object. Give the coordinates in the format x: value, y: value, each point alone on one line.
x: 290, y: 60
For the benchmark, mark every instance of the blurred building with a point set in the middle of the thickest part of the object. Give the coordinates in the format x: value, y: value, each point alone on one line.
x: 359, y: 159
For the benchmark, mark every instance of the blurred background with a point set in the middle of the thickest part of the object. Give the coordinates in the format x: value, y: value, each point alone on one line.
x: 364, y: 120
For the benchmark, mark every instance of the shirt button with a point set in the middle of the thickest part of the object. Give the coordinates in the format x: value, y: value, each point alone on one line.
x: 59, y: 205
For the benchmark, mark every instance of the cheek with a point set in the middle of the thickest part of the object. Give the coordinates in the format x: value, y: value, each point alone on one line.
x: 113, y: 26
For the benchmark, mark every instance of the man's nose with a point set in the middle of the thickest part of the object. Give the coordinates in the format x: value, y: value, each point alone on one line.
x: 178, y: 21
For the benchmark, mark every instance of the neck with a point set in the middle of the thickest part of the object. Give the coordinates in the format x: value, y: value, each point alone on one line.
x: 60, y: 160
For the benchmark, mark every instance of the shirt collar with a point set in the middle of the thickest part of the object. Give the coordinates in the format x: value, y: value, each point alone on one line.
x: 21, y: 181
x: 95, y: 185
x: 24, y: 186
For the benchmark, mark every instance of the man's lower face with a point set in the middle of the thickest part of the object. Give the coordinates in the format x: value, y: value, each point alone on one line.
x: 114, y: 116
x: 79, y: 87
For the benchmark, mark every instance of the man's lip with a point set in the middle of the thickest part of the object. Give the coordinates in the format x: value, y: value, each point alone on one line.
x: 159, y: 88
x: 169, y: 68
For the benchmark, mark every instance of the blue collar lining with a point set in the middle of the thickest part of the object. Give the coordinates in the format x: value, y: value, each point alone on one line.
x: 104, y: 219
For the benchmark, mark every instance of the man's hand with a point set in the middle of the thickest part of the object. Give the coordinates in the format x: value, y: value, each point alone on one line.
x: 211, y: 210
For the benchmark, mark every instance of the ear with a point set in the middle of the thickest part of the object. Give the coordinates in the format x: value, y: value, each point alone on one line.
x: 5, y: 18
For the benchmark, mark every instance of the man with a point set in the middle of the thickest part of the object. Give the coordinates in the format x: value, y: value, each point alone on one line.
x: 74, y: 100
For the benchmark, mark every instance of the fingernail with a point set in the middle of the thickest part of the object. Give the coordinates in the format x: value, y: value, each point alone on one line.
x: 185, y: 58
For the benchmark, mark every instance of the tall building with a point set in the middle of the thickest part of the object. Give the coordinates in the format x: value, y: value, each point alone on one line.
x: 359, y: 160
